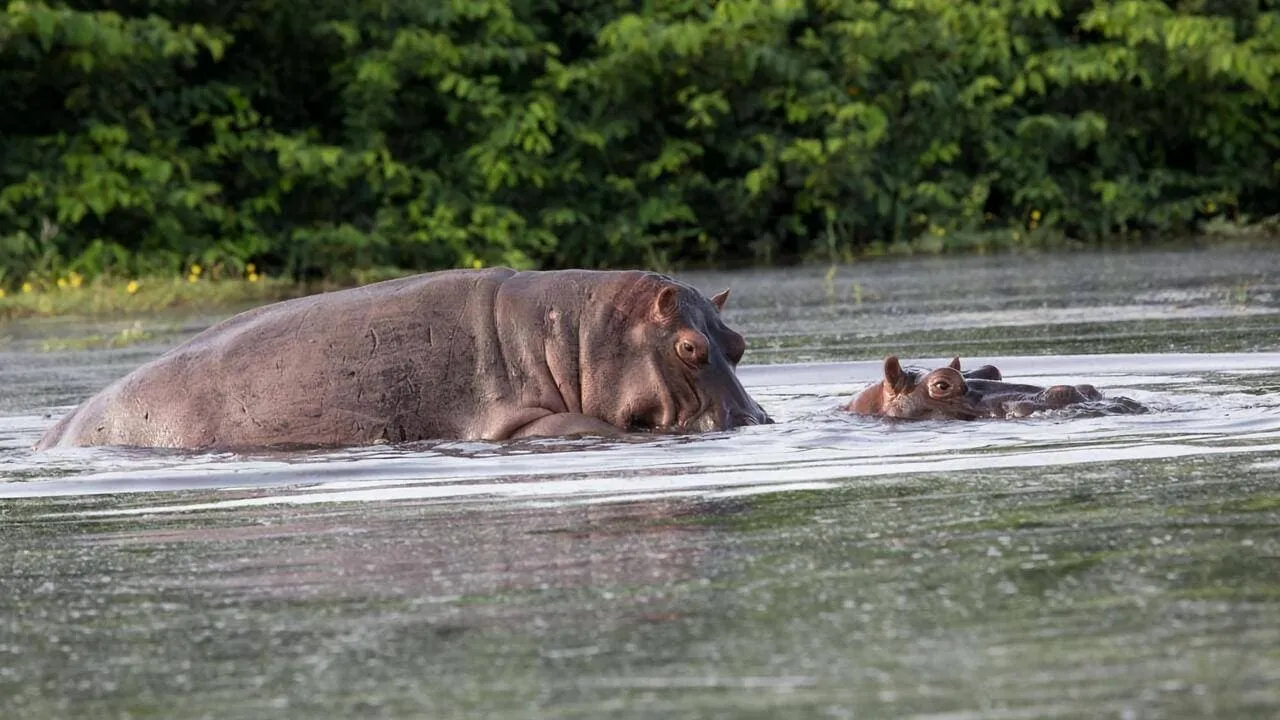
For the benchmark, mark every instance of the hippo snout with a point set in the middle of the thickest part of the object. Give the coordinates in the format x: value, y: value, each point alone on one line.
x: 750, y: 416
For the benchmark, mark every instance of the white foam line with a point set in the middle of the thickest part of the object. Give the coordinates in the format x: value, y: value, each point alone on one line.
x: 637, y: 497
x: 702, y: 483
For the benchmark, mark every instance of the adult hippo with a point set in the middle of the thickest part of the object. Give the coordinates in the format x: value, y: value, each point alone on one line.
x: 948, y: 393
x: 462, y: 354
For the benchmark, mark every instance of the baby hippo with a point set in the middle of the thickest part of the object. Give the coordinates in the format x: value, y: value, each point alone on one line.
x: 948, y: 393
x: 904, y: 393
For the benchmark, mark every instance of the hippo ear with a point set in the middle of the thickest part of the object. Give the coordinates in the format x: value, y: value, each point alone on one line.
x: 893, y: 375
x: 719, y: 299
x: 667, y: 303
x: 955, y: 363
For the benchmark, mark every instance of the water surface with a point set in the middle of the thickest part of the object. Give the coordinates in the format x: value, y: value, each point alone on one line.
x: 825, y: 566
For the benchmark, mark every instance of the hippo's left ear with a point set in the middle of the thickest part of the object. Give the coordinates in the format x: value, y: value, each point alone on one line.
x: 894, y: 377
x: 955, y: 363
x: 719, y: 299
x: 667, y: 304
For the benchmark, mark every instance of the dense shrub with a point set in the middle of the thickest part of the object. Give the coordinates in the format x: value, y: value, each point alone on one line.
x: 323, y: 137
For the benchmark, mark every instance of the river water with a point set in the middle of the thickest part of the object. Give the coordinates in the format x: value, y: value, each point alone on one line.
x: 826, y: 566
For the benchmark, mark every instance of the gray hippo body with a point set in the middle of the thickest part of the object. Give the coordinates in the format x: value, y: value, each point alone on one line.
x: 465, y: 354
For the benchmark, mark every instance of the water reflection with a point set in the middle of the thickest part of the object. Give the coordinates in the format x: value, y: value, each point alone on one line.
x: 448, y: 557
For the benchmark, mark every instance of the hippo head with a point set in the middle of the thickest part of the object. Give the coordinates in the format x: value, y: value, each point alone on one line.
x: 678, y: 362
x: 939, y: 395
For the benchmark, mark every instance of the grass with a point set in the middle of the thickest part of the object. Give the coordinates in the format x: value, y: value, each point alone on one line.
x: 118, y: 297
x: 1033, y: 237
x: 130, y: 335
x: 70, y: 295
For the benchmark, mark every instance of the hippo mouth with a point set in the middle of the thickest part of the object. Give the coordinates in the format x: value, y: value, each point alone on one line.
x: 759, y: 417
x: 704, y: 421
x: 688, y: 408
x: 708, y: 418
x: 695, y: 424
x: 966, y: 412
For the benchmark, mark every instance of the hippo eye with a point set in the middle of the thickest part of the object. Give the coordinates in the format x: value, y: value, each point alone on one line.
x: 689, y: 352
x: 942, y: 385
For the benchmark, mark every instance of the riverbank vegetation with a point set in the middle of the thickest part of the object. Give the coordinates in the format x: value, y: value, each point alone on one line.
x: 349, y: 140
x: 74, y: 294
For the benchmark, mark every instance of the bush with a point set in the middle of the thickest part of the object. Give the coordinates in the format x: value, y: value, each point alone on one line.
x: 327, y: 138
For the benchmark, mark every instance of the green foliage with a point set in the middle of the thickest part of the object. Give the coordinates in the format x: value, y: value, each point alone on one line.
x: 329, y: 138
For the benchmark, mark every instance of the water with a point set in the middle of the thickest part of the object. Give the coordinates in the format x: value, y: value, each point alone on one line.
x: 826, y: 566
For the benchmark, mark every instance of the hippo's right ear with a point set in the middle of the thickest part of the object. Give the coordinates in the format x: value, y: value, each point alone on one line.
x: 719, y: 299
x: 893, y: 375
x: 955, y: 363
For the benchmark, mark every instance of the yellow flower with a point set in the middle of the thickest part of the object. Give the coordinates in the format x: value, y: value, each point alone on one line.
x: 192, y: 278
x: 132, y: 287
x: 477, y: 263
x: 62, y: 283
x: 1035, y: 216
x: 196, y: 270
x: 253, y: 277
x: 75, y: 279
x: 251, y: 269
x: 1210, y: 206
x: 26, y: 288
x: 1, y: 292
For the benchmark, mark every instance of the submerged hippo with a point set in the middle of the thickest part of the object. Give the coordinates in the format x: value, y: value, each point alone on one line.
x: 1006, y: 400
x: 463, y: 354
x: 948, y: 393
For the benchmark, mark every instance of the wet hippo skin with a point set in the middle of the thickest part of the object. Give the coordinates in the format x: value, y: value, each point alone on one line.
x: 948, y: 393
x: 912, y: 394
x: 462, y: 354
